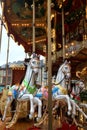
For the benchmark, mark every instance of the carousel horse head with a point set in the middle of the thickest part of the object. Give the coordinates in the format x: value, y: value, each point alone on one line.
x: 29, y: 81
x: 32, y: 69
x: 66, y: 69
x: 64, y: 72
x: 35, y: 62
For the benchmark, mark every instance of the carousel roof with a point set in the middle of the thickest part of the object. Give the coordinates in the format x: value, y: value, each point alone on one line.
x: 18, y: 22
x: 19, y: 65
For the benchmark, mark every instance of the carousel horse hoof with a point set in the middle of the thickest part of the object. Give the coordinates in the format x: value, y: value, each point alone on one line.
x: 30, y: 116
x: 69, y: 113
x: 2, y: 120
x: 38, y: 119
x: 8, y: 126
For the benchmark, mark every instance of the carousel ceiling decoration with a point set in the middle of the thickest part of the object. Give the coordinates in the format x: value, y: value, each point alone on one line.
x: 18, y: 21
x: 17, y: 17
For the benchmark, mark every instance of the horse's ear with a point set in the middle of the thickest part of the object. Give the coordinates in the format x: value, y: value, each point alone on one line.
x: 66, y: 61
x: 69, y: 62
x: 33, y: 55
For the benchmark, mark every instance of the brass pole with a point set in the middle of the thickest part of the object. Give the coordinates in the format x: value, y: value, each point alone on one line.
x: 63, y: 33
x: 86, y: 10
x: 33, y: 25
x: 49, y: 67
x: 7, y: 60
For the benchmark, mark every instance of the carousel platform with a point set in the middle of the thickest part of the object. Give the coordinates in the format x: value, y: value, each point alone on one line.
x: 24, y: 124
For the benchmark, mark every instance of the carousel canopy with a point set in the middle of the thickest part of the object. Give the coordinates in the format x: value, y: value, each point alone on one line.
x: 17, y: 18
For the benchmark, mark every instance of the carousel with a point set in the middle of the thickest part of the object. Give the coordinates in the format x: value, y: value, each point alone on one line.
x: 52, y: 94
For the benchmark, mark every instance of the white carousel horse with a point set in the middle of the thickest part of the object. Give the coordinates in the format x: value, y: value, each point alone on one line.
x: 59, y: 89
x: 26, y: 89
x: 62, y: 83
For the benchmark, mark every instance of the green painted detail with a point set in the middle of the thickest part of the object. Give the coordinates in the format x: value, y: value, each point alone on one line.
x: 31, y: 89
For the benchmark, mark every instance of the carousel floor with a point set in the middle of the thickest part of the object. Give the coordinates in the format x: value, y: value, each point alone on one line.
x: 26, y: 125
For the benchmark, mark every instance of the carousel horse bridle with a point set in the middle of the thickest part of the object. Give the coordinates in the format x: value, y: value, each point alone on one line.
x: 65, y: 75
x: 34, y: 61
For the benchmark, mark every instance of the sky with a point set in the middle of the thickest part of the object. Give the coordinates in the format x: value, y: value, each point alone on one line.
x: 16, y: 52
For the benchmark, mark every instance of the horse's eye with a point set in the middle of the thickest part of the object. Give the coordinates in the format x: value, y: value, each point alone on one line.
x: 66, y: 68
x: 33, y: 62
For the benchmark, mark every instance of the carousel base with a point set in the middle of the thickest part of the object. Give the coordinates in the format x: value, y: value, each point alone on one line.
x: 24, y: 124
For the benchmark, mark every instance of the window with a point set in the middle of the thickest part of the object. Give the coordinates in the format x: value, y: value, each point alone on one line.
x: 5, y: 76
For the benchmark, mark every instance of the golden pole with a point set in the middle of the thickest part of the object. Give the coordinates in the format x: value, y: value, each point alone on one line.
x: 49, y: 67
x: 86, y: 10
x: 33, y: 25
x: 7, y: 61
x: 63, y: 33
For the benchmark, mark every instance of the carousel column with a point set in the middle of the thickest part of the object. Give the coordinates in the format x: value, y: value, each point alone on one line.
x: 7, y: 60
x: 49, y: 67
x: 63, y: 33
x: 33, y: 25
x: 86, y: 9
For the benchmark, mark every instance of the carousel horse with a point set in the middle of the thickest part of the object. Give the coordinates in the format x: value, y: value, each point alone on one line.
x: 26, y: 90
x: 62, y: 84
x: 59, y: 89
